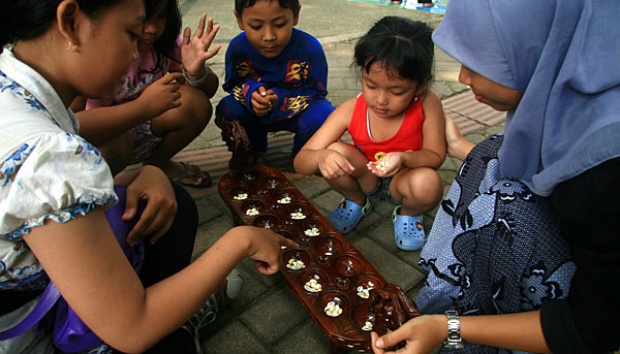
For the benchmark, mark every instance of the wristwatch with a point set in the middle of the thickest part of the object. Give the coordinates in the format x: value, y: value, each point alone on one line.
x: 454, y: 340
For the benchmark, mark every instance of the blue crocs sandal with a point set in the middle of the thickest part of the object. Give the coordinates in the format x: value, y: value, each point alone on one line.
x: 348, y: 215
x: 408, y: 231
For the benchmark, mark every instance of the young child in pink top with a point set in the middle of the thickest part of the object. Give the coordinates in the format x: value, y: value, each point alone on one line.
x: 164, y: 100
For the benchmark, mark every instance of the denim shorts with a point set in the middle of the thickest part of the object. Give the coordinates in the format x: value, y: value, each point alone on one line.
x: 382, y: 192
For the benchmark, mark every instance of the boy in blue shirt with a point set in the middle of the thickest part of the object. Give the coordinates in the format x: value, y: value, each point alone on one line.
x: 277, y: 79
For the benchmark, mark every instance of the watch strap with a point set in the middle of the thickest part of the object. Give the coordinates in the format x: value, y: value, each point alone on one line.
x: 454, y: 339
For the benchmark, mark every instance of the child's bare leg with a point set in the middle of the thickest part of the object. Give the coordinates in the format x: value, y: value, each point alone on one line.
x: 419, y: 190
x: 117, y: 151
x: 458, y: 146
x: 355, y: 186
x: 178, y: 127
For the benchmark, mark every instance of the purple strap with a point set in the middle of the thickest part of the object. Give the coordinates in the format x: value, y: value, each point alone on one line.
x: 45, y: 303
x: 51, y: 294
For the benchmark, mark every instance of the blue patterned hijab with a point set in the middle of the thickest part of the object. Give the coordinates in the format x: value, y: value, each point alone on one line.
x: 564, y: 58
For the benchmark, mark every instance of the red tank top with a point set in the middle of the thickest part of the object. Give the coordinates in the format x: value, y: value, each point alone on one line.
x: 408, y: 137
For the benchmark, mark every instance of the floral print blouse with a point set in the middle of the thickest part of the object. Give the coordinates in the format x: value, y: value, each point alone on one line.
x: 47, y: 172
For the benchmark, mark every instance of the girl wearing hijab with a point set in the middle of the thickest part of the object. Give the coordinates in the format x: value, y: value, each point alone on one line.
x: 524, y: 253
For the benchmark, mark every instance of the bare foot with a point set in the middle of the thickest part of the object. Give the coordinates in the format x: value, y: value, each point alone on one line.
x: 458, y: 146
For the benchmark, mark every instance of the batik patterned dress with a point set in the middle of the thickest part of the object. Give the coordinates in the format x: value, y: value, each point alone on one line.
x: 495, y: 246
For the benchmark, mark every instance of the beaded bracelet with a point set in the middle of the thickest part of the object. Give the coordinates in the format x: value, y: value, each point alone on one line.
x: 198, y: 82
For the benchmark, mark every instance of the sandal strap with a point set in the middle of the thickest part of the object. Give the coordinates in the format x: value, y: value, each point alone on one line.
x: 348, y: 214
x: 190, y: 171
x: 352, y: 207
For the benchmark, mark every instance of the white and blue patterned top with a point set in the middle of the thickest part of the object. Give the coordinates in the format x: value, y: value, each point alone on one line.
x: 47, y: 172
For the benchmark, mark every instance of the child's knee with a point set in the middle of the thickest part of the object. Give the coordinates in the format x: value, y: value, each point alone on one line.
x: 342, y: 148
x: 195, y: 105
x: 351, y: 153
x: 429, y: 186
x: 422, y: 184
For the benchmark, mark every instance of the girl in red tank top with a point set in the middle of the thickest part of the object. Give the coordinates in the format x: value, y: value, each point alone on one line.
x: 397, y: 127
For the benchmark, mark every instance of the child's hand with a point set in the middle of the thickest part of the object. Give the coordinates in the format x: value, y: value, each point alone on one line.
x: 162, y: 95
x: 265, y: 248
x: 387, y: 166
x: 263, y: 101
x: 152, y: 186
x: 272, y: 97
x: 332, y: 165
x: 196, y: 50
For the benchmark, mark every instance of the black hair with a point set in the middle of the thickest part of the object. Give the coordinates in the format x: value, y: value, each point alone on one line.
x: 28, y: 19
x: 166, y: 43
x: 240, y: 5
x: 401, y: 45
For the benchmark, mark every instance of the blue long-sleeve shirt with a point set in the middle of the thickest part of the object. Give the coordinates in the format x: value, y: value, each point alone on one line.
x: 298, y: 75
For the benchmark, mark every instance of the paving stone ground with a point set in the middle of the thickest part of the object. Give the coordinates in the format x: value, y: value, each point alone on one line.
x: 266, y: 317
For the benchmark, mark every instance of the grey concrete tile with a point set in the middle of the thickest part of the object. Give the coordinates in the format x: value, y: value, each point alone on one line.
x: 234, y: 338
x: 477, y: 137
x: 210, y: 232
x: 210, y: 208
x: 368, y: 222
x: 451, y: 163
x: 383, y: 208
x: 305, y: 339
x: 383, y: 235
x: 268, y: 281
x: 255, y: 285
x: 327, y: 201
x: 274, y: 315
x: 447, y: 175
